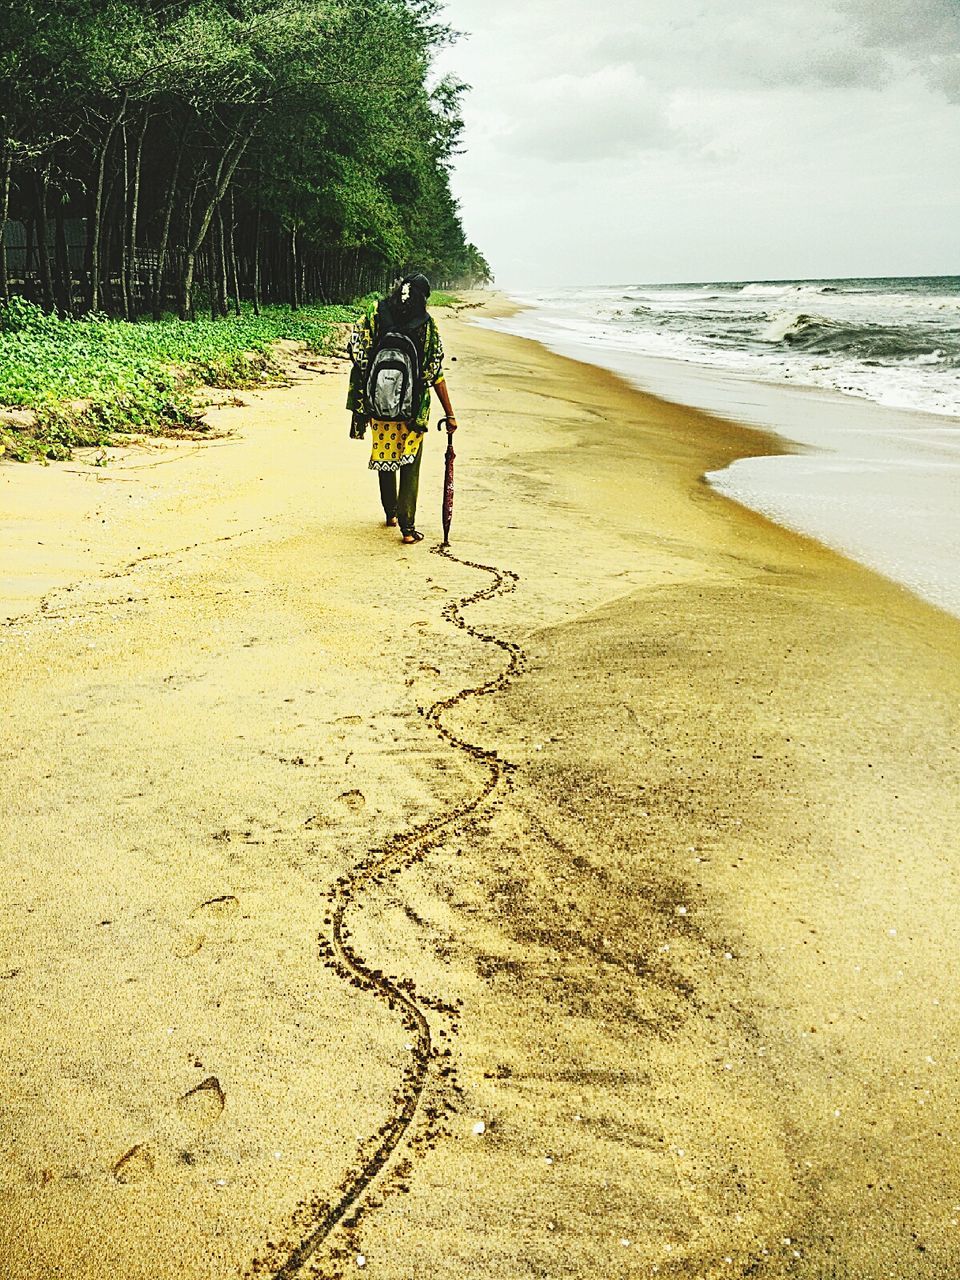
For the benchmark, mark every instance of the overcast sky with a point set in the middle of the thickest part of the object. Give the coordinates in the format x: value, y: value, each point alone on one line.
x: 610, y: 141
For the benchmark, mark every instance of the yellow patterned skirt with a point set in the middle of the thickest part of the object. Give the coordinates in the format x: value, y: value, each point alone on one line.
x: 393, y: 445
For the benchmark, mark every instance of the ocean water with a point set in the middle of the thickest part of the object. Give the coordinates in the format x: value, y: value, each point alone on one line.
x: 860, y: 377
x: 895, y: 342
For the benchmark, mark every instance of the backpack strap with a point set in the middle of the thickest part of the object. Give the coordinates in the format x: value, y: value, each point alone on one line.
x: 384, y: 317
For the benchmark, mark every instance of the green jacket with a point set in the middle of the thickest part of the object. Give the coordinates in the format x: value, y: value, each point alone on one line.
x: 361, y: 344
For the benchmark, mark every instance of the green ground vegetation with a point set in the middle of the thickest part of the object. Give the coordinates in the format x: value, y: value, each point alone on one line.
x: 440, y: 299
x: 84, y: 382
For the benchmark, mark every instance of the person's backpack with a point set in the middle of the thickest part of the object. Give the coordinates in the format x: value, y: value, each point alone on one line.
x: 394, y: 386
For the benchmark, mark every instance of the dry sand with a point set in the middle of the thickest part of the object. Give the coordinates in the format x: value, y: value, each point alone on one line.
x: 694, y: 960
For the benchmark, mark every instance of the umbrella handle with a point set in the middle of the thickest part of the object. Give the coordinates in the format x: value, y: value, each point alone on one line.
x: 445, y: 423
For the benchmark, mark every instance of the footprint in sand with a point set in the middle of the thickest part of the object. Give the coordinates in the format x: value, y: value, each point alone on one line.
x: 225, y: 905
x: 220, y: 908
x: 199, y: 1108
x: 203, y: 1105
x: 189, y: 945
x: 135, y: 1165
x: 353, y: 799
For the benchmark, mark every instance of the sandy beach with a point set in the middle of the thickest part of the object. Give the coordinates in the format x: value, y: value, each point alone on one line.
x: 666, y: 980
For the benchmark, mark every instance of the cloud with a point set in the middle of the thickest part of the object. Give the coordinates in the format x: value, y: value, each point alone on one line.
x: 588, y: 80
x: 922, y: 36
x: 723, y: 43
x: 733, y: 45
x: 609, y: 113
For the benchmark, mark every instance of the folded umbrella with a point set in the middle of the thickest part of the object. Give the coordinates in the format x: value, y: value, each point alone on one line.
x: 447, y: 512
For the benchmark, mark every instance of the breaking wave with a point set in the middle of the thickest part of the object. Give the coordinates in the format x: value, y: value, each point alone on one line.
x: 821, y: 335
x: 787, y: 290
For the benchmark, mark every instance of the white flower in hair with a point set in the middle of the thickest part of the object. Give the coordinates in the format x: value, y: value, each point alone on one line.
x: 405, y: 293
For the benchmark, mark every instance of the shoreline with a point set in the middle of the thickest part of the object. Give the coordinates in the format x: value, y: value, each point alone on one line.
x: 870, y: 481
x: 700, y: 952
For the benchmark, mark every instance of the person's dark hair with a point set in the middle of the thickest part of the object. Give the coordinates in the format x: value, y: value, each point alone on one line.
x: 408, y: 301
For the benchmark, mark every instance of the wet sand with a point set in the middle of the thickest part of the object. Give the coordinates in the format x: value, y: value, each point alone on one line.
x: 694, y: 958
x: 877, y: 483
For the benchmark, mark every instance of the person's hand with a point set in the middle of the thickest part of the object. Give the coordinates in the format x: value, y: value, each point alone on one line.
x: 451, y: 422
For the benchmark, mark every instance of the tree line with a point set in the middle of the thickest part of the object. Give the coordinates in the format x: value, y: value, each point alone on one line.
x: 159, y: 155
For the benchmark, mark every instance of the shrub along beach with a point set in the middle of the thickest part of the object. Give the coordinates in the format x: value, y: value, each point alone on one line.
x: 91, y: 381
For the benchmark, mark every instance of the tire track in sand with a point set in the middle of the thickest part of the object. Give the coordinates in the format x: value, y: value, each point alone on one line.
x: 317, y: 1217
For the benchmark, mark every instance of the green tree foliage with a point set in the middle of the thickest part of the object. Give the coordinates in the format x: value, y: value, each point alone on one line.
x: 158, y: 154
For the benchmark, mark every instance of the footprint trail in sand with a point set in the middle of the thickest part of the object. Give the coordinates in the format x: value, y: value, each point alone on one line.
x: 319, y: 1216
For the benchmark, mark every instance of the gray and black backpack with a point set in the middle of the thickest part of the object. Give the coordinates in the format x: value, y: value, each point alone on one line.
x: 394, y: 385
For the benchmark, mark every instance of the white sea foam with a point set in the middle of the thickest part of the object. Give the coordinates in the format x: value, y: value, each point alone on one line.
x: 769, y: 290
x: 895, y: 342
x: 790, y: 323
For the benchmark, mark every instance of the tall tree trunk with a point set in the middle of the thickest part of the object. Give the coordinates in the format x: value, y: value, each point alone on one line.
x: 223, y: 285
x: 165, y: 229
x: 29, y: 224
x: 212, y: 269
x: 134, y: 213
x: 209, y: 259
x: 232, y: 256
x: 94, y: 231
x: 108, y: 225
x: 257, y: 229
x: 229, y: 160
x: 107, y: 298
x: 40, y: 181
x: 124, y: 221
x: 5, y: 176
x: 64, y: 278
x: 294, y: 271
x: 184, y: 281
